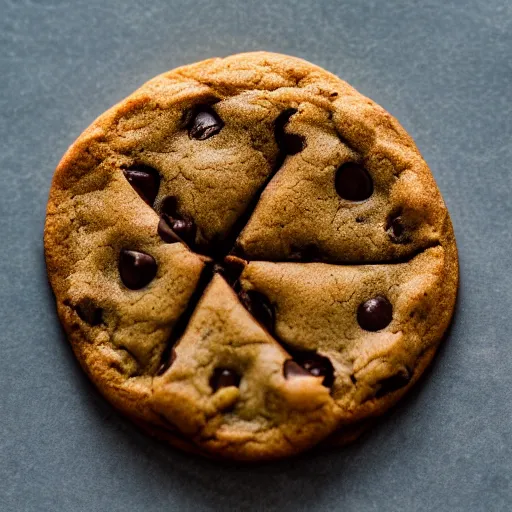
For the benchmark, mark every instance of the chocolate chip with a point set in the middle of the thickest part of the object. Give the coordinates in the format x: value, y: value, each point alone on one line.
x: 375, y: 313
x: 86, y: 309
x: 288, y: 143
x: 165, y: 231
x: 137, y: 269
x: 318, y: 366
x: 204, y: 124
x: 145, y: 180
x: 173, y: 224
x: 223, y: 378
x: 353, y: 182
x: 185, y: 229
x: 292, y: 369
x: 397, y: 381
x: 176, y: 230
x: 259, y: 306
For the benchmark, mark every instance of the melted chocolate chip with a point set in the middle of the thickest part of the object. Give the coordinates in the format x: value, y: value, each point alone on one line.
x: 292, y: 369
x: 318, y: 366
x: 86, y: 309
x: 397, y: 381
x: 145, y: 180
x: 165, y: 231
x: 137, y: 269
x: 259, y: 306
x: 353, y: 182
x: 288, y: 143
x: 204, y: 124
x: 172, y: 225
x: 184, y: 229
x: 223, y: 378
x: 375, y: 313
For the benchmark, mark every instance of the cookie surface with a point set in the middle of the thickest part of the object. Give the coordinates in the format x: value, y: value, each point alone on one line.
x: 249, y: 257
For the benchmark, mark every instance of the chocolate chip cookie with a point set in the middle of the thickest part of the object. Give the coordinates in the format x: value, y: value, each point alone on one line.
x: 249, y: 257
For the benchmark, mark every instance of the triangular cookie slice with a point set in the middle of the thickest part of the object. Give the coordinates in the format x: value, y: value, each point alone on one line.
x: 374, y: 324
x: 232, y: 389
x: 335, y: 201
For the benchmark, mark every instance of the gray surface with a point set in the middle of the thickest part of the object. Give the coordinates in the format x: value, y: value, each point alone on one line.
x: 443, y: 70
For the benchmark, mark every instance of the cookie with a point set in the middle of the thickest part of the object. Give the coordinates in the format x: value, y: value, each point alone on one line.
x: 249, y: 257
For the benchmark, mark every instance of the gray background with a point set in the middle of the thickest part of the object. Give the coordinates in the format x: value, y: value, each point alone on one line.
x: 443, y: 68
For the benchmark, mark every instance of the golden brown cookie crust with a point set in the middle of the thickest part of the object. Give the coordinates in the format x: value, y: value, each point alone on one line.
x: 269, y: 195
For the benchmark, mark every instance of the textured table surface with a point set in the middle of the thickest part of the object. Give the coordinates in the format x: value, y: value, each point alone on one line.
x: 444, y: 69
